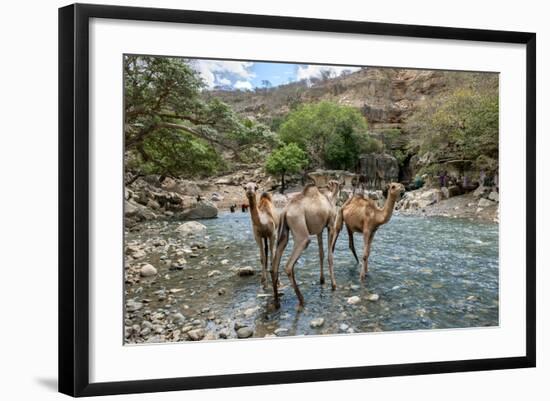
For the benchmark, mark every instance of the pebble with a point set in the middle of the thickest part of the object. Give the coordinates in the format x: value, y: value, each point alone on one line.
x: 147, y: 270
x: 281, y: 331
x: 244, y: 332
x: 343, y: 327
x: 245, y: 271
x: 221, y: 291
x: 250, y: 311
x: 373, y: 297
x: 225, y: 261
x: 224, y: 333
x: 353, y: 300
x: 196, y: 334
x: 214, y: 273
x: 132, y: 306
x: 178, y: 318
x: 317, y: 322
x: 437, y: 285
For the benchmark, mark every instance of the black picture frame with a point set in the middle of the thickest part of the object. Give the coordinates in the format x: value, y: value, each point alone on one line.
x: 74, y: 198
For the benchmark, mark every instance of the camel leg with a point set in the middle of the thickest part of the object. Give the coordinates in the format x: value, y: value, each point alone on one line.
x: 351, y: 244
x: 367, y: 239
x: 272, y: 256
x: 332, y: 235
x: 263, y: 259
x: 300, y: 244
x: 281, y: 245
x: 321, y: 256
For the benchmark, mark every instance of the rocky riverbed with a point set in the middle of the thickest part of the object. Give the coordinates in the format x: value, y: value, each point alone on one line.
x: 200, y: 281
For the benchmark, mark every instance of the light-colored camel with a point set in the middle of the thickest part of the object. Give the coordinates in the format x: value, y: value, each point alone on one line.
x: 265, y: 222
x: 362, y: 215
x: 308, y: 213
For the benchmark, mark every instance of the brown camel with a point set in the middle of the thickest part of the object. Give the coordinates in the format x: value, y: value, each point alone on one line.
x: 264, y: 225
x: 306, y: 214
x: 362, y: 215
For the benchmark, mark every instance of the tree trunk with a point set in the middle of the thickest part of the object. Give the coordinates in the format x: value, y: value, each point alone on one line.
x: 283, y: 183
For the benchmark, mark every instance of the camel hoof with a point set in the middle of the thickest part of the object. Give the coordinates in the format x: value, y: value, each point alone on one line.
x: 333, y: 287
x: 322, y: 280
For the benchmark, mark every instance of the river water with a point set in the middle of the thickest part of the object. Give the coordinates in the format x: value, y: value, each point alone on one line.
x: 428, y: 273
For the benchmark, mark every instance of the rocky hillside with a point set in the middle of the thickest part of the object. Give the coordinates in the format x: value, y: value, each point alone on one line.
x: 386, y: 96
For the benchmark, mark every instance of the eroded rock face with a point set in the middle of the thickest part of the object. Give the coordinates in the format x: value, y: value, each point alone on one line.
x: 378, y: 170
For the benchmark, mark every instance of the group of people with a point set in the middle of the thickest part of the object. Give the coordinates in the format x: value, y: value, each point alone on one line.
x: 233, y: 207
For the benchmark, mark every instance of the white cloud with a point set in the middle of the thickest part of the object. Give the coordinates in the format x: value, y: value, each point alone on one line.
x: 243, y: 85
x: 213, y: 71
x: 222, y: 81
x: 315, y: 71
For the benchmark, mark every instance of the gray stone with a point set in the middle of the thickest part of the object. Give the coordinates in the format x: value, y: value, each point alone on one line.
x: 191, y: 228
x: 315, y: 323
x: 147, y: 270
x: 281, y: 331
x: 245, y: 332
x: 373, y: 297
x: 245, y: 271
x: 353, y: 300
x: 196, y: 334
x: 485, y: 202
x: 494, y: 196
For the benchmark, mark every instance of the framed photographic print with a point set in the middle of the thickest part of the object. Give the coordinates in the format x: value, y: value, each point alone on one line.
x: 250, y: 199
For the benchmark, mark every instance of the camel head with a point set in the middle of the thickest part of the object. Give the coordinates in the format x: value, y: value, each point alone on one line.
x: 250, y: 189
x: 395, y: 189
x: 333, y: 186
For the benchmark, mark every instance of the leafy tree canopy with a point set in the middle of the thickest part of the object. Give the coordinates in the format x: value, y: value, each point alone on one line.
x: 289, y: 159
x: 460, y: 126
x: 332, y: 135
x: 170, y: 128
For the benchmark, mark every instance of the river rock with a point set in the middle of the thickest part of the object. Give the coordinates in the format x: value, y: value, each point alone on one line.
x: 191, y: 228
x: 315, y: 323
x: 281, y: 331
x: 373, y: 297
x: 485, y: 202
x: 494, y: 196
x: 201, y: 210
x: 147, y: 270
x: 178, y: 318
x: 132, y: 306
x: 245, y: 332
x: 214, y: 273
x: 353, y: 300
x: 224, y: 333
x: 449, y: 192
x: 196, y: 334
x: 481, y: 191
x: 245, y: 271
x: 216, y: 197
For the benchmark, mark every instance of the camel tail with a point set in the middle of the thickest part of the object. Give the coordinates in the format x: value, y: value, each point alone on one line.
x: 283, y: 228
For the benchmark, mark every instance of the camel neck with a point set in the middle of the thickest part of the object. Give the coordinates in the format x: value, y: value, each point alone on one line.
x: 388, y: 208
x: 254, y: 214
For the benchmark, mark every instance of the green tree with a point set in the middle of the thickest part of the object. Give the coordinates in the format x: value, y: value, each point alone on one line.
x: 170, y: 128
x: 332, y: 135
x: 289, y: 159
x: 460, y: 126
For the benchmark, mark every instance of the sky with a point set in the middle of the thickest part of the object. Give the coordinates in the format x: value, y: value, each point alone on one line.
x: 247, y: 75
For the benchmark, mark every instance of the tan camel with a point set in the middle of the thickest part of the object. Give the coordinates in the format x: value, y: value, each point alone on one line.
x: 306, y: 214
x: 362, y: 215
x: 265, y: 222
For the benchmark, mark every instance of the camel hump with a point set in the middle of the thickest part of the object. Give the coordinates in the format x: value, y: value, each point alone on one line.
x: 309, y: 188
x: 265, y: 195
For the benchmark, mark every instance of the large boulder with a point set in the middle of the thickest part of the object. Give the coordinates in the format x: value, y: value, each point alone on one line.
x: 201, y: 210
x: 191, y: 228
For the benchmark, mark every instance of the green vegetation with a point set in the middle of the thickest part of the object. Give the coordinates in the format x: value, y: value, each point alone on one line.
x: 460, y: 126
x: 170, y: 129
x: 333, y: 136
x: 289, y: 159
